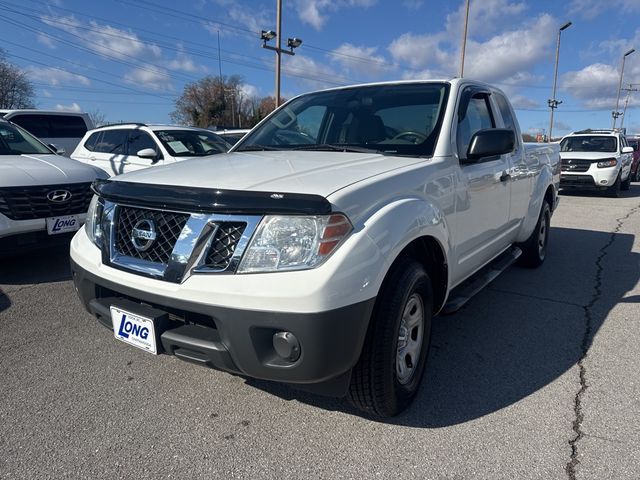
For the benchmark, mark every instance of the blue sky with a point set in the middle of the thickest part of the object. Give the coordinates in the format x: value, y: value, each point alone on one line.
x: 130, y: 59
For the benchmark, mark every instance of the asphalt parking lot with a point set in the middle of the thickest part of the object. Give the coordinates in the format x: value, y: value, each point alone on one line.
x: 535, y: 378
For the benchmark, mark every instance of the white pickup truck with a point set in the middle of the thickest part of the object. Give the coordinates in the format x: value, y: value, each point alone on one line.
x: 317, y: 251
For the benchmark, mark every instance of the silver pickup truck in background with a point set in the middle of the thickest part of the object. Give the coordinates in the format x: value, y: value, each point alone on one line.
x: 317, y: 251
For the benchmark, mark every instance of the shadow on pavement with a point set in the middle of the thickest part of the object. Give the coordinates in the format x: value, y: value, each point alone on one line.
x: 37, y: 266
x: 633, y: 192
x: 513, y: 338
x: 4, y: 301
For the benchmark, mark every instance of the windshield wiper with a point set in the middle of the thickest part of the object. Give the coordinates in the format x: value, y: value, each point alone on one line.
x: 254, y: 147
x: 335, y: 148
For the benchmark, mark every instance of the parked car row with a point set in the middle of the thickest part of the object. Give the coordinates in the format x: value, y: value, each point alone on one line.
x: 44, y: 195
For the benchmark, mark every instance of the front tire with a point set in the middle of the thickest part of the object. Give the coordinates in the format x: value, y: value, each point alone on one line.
x: 534, y: 250
x: 614, y: 190
x: 626, y: 185
x: 387, y: 376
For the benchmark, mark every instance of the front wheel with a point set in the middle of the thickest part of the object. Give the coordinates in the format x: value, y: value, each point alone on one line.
x: 534, y: 250
x: 387, y: 376
x: 626, y: 185
x: 614, y: 190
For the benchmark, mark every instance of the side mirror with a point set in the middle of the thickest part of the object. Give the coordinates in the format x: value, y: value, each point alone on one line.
x: 627, y: 149
x: 490, y: 143
x: 149, y: 153
x: 58, y: 150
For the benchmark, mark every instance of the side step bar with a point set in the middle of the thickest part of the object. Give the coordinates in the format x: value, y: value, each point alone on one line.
x: 466, y: 290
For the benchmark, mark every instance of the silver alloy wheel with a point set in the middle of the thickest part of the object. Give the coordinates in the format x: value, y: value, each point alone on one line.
x: 542, y: 236
x: 410, y: 339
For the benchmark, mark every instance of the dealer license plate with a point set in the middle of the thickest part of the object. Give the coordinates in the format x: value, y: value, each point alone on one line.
x: 134, y: 329
x: 68, y: 223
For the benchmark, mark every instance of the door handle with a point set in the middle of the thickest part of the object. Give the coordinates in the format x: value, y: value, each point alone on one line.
x: 504, y: 177
x: 93, y: 159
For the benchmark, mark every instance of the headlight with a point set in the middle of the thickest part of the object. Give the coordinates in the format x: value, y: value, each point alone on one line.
x: 93, y: 224
x: 294, y: 242
x: 609, y: 162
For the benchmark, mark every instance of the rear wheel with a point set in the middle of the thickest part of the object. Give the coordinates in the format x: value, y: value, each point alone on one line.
x: 387, y: 376
x: 534, y: 250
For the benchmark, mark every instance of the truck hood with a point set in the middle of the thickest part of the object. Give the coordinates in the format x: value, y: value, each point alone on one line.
x: 319, y: 173
x: 28, y: 170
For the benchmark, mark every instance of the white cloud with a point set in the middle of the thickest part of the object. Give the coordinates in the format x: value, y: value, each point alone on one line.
x: 419, y: 51
x: 46, y: 93
x: 74, y: 107
x: 316, y: 12
x: 361, y: 60
x: 413, y: 4
x: 55, y: 76
x: 150, y: 77
x: 106, y: 40
x: 249, y: 16
x: 46, y: 41
x: 485, y: 18
x: 312, y: 74
x: 520, y: 101
x: 249, y: 91
x: 184, y: 62
x: 511, y: 53
x: 590, y: 9
x: 596, y: 84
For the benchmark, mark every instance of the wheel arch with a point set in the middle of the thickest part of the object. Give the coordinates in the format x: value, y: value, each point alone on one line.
x: 428, y: 251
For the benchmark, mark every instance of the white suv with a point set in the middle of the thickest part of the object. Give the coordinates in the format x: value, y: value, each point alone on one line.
x: 43, y: 197
x: 596, y: 159
x: 124, y: 148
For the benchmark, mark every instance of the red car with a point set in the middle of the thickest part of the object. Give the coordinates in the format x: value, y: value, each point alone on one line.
x: 635, y: 143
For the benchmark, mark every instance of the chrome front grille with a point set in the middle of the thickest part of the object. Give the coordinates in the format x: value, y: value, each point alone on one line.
x: 27, y: 203
x: 170, y: 245
x: 575, y: 165
x: 168, y: 226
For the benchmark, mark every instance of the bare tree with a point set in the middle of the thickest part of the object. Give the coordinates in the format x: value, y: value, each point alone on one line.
x: 98, y: 117
x: 209, y: 101
x: 16, y: 91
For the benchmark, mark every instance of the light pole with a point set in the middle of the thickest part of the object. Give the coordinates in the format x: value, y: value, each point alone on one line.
x: 464, y: 40
x: 615, y: 114
x: 292, y: 43
x: 553, y: 102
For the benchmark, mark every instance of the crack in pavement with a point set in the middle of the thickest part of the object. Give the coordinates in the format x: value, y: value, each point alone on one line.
x: 570, y: 468
x: 536, y: 297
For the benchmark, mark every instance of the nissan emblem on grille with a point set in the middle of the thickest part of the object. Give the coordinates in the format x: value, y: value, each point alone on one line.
x: 143, y: 234
x: 59, y: 196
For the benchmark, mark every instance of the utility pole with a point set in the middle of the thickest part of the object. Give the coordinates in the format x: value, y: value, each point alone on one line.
x: 292, y: 43
x: 615, y: 114
x: 626, y: 102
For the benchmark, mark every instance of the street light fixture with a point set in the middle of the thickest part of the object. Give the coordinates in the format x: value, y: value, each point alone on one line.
x: 615, y: 114
x: 553, y: 102
x: 292, y: 43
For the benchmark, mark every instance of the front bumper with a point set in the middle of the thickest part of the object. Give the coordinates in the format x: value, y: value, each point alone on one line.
x: 241, y: 341
x: 594, y: 178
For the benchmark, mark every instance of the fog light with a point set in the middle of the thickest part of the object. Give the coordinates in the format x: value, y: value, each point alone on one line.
x: 286, y: 346
x: 603, y: 182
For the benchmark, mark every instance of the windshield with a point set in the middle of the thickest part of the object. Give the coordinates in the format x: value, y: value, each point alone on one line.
x: 401, y: 119
x: 589, y: 143
x: 16, y: 141
x: 191, y: 143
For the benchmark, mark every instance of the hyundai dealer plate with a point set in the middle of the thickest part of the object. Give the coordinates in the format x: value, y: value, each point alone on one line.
x: 134, y: 329
x: 68, y: 223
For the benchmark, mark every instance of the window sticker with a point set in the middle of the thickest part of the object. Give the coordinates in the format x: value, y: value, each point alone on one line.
x: 178, y: 147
